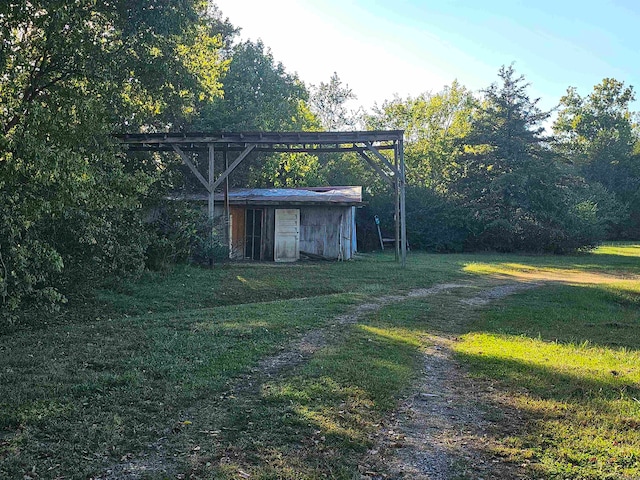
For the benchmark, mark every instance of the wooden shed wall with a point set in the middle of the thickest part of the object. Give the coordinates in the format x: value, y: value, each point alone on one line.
x: 268, y: 233
x: 327, y: 231
x: 237, y: 231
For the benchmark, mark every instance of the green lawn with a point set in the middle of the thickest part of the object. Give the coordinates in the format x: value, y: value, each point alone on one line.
x: 163, y: 371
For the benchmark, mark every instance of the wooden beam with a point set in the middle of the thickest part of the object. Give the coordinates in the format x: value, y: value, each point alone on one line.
x: 163, y: 147
x: 382, y: 158
x: 193, y: 168
x: 233, y: 166
x: 373, y: 165
x: 248, y: 138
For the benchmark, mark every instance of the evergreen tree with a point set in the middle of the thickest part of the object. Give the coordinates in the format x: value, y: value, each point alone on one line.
x: 508, y: 177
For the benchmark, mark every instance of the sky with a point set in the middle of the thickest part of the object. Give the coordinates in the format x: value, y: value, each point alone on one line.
x: 382, y: 48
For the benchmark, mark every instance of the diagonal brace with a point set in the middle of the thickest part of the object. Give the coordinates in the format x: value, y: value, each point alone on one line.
x: 373, y: 165
x: 193, y: 168
x: 384, y: 159
x: 232, y: 167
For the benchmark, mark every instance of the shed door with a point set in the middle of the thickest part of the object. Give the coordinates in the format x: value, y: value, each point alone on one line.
x: 287, y: 235
x: 253, y: 234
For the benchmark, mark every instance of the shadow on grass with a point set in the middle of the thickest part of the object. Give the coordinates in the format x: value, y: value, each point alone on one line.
x: 77, y: 398
x: 561, y: 424
x: 318, y: 421
x: 602, y: 315
x: 584, y: 386
x: 565, y: 362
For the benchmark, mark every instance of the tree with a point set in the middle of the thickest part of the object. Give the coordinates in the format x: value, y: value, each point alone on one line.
x: 72, y: 72
x: 259, y: 94
x: 329, y: 102
x: 597, y: 134
x: 435, y: 126
x: 508, y: 178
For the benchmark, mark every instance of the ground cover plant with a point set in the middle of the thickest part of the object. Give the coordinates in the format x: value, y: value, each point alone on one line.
x: 265, y: 371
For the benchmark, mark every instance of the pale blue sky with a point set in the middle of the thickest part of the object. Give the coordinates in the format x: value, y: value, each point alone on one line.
x: 386, y: 47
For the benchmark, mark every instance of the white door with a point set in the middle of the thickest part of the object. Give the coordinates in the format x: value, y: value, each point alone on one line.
x: 287, y: 235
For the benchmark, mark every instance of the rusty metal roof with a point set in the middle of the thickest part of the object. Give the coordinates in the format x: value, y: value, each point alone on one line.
x: 339, y: 195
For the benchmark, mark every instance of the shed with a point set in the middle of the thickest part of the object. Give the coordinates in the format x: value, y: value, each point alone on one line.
x: 279, y: 224
x: 369, y: 145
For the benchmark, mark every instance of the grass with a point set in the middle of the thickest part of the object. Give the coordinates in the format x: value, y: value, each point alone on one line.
x: 146, y: 371
x: 567, y: 358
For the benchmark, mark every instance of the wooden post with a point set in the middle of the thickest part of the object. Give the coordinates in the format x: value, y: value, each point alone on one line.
x: 397, y: 191
x: 212, y: 159
x: 403, y: 209
x: 227, y: 209
x: 211, y: 180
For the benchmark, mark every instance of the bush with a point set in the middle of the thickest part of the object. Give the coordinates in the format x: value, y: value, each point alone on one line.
x: 434, y: 223
x: 181, y: 233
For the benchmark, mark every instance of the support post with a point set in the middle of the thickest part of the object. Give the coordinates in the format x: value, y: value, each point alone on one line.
x: 397, y: 202
x: 227, y: 208
x: 403, y: 209
x: 211, y: 179
x: 212, y: 159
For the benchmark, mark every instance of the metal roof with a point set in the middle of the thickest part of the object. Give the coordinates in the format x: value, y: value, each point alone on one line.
x: 337, y: 196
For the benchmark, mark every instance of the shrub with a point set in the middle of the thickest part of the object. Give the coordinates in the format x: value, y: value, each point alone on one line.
x: 181, y: 233
x: 434, y: 223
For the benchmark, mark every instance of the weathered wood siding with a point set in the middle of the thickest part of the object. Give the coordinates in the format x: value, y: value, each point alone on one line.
x: 327, y: 231
x: 268, y: 233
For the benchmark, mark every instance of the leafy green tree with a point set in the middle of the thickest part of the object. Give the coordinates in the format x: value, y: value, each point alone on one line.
x: 435, y: 125
x: 597, y: 134
x: 72, y: 72
x: 288, y: 170
x: 329, y: 101
x: 259, y: 94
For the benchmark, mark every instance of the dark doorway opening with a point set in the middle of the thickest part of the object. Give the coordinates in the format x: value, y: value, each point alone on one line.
x: 253, y: 233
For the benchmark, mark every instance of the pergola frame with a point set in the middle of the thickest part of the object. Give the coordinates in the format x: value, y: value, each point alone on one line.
x: 368, y: 144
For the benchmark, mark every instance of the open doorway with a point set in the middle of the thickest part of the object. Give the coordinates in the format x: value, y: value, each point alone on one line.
x: 253, y: 233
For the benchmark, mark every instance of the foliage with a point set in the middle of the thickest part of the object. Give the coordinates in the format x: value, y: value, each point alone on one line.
x: 181, y: 232
x: 509, y: 180
x: 259, y: 94
x: 287, y: 170
x: 329, y: 102
x: 434, y: 223
x: 72, y: 71
x: 597, y: 134
x: 435, y: 126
